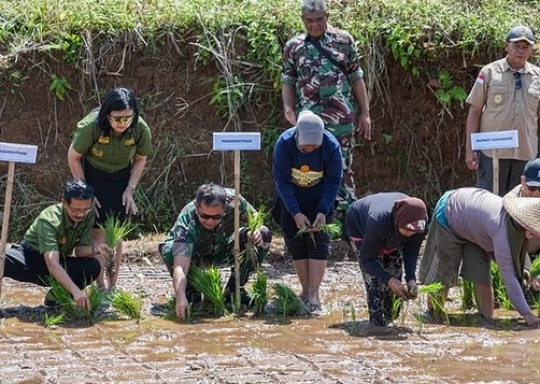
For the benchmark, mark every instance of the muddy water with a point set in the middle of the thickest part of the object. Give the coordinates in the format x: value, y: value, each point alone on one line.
x: 337, y: 346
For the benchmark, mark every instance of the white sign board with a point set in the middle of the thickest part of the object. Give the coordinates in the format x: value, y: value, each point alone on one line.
x: 237, y: 141
x: 18, y: 153
x: 494, y: 140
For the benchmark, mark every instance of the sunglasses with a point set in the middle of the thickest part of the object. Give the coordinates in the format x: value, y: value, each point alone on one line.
x: 121, y: 119
x: 517, y: 80
x: 210, y: 217
x: 533, y: 188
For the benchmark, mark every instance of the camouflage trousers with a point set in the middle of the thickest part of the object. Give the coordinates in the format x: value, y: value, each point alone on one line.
x: 347, y: 190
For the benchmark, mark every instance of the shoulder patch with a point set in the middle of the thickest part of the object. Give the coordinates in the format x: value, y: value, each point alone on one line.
x: 480, y: 79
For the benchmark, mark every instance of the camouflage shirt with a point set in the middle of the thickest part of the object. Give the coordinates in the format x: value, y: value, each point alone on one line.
x: 190, y: 239
x: 321, y: 86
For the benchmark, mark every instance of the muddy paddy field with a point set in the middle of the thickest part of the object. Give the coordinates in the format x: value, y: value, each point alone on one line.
x: 336, y: 345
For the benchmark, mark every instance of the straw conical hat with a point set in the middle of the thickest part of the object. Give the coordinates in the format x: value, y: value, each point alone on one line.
x: 524, y: 210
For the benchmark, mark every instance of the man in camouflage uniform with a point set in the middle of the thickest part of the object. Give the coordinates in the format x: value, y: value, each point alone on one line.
x: 203, y: 235
x: 333, y: 89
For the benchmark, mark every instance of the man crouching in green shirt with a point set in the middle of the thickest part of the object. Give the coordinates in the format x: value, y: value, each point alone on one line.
x: 203, y: 235
x: 48, y: 245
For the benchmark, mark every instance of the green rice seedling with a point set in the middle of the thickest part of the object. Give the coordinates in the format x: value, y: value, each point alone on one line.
x: 333, y: 230
x: 397, y: 306
x: 437, y: 300
x: 535, y: 267
x: 259, y: 297
x: 467, y: 296
x: 114, y: 230
x: 96, y: 297
x: 208, y: 283
x: 499, y: 290
x: 353, y: 314
x: 255, y: 220
x: 430, y: 289
x: 127, y: 304
x: 53, y: 320
x: 437, y: 297
x: 65, y: 301
x: 288, y: 303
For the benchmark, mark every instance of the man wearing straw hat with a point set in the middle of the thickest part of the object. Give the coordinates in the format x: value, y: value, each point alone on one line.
x: 472, y: 227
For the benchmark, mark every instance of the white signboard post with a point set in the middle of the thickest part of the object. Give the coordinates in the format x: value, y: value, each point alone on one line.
x: 495, y: 141
x: 12, y: 153
x: 237, y: 141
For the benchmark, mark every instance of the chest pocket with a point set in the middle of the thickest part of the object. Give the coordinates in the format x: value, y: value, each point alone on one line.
x: 533, y: 94
x: 498, y: 96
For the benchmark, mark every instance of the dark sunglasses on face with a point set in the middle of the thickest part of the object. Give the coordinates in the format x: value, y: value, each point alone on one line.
x: 533, y: 188
x: 121, y: 119
x: 517, y: 80
x: 208, y: 217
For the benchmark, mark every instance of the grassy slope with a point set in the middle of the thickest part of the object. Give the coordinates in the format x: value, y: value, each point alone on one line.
x: 448, y: 22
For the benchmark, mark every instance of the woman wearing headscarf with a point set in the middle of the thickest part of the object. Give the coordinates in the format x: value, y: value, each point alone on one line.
x: 387, y: 230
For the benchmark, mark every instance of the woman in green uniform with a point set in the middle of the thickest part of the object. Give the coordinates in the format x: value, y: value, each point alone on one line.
x: 109, y: 151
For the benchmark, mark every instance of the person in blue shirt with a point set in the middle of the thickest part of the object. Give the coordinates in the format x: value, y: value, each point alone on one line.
x: 307, y: 173
x: 387, y: 229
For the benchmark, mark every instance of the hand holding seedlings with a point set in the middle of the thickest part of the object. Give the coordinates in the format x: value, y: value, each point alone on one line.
x: 81, y: 300
x: 320, y: 220
x: 181, y: 307
x: 256, y: 237
x: 301, y: 221
x: 102, y: 249
x: 413, y: 289
x: 399, y: 289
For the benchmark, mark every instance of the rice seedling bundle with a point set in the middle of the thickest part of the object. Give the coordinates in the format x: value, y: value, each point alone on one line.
x: 535, y: 267
x: 287, y: 301
x: 52, y: 320
x: 501, y: 296
x: 467, y: 297
x: 259, y: 297
x: 115, y: 230
x: 208, y: 283
x: 65, y: 301
x: 255, y: 220
x: 127, y: 304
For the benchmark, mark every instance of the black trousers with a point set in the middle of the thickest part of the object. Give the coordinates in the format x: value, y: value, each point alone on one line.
x: 22, y: 263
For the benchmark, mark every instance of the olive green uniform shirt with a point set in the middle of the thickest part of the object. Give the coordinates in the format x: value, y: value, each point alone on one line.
x: 109, y: 152
x: 53, y: 231
x: 509, y: 104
